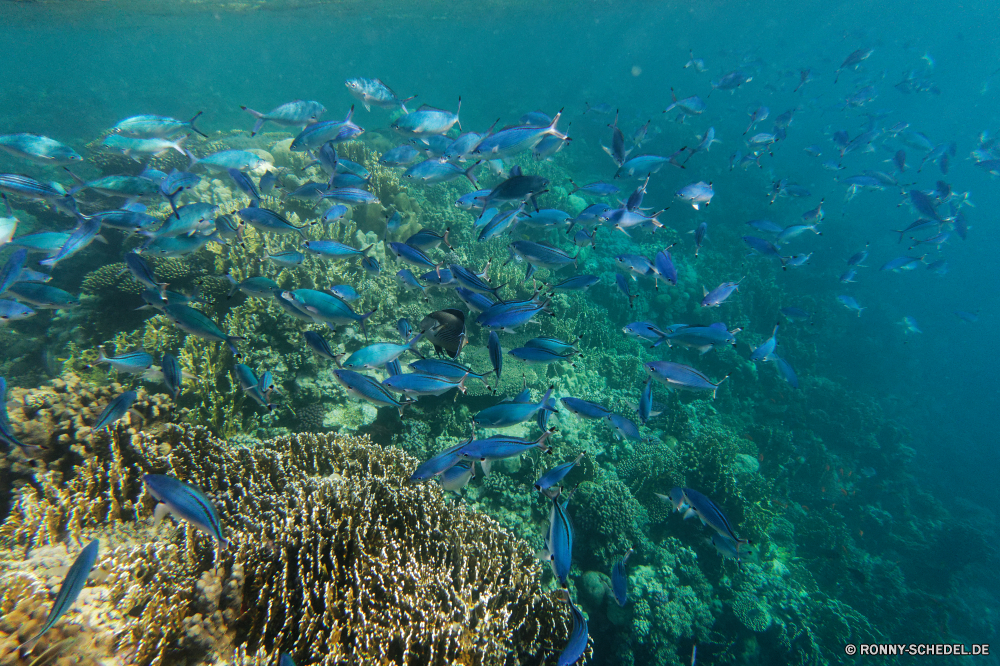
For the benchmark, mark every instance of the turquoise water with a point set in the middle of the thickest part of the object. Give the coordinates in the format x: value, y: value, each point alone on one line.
x: 866, y: 482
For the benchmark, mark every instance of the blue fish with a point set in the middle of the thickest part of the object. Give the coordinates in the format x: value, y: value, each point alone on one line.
x: 849, y: 303
x: 496, y: 353
x: 285, y: 257
x: 507, y: 414
x: 115, y: 409
x: 82, y: 235
x: 263, y: 219
x: 427, y: 121
x: 619, y: 579
x: 366, y: 388
x: 446, y: 368
x: 475, y: 302
x: 186, y: 502
x: 250, y: 385
x: 245, y: 184
x: 793, y: 313
x: 499, y: 447
x: 559, y: 541
x: 516, y: 139
x: 457, y: 477
x: 409, y: 281
x: 334, y: 213
x: 173, y: 376
x: 39, y: 149
x: 765, y: 352
x: 195, y: 323
x: 344, y: 292
x: 785, y: 370
x: 7, y: 435
x: 693, y: 503
x: 326, y: 308
x: 72, y: 585
x: 679, y: 376
x: 377, y: 355
x: 315, y: 135
x: 645, y: 409
x: 400, y: 156
x: 291, y: 114
x: 532, y: 355
x: 258, y: 287
x: 333, y: 250
x: 508, y: 316
x: 11, y: 271
x: 152, y: 127
x: 319, y: 345
x: 578, y: 638
x: 663, y: 265
x: 575, y: 283
x: 585, y: 408
x: 439, y: 463
x: 133, y: 362
x: 417, y: 384
x: 411, y: 255
x: 718, y: 296
x: 624, y: 428
x: 547, y: 481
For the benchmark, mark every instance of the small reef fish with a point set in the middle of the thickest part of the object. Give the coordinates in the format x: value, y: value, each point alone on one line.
x: 72, y: 585
x: 619, y: 579
x: 186, y: 502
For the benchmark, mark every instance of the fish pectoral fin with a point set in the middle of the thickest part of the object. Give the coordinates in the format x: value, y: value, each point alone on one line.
x: 159, y: 513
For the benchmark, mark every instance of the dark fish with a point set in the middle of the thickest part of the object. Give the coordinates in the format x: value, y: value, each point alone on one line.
x: 445, y: 329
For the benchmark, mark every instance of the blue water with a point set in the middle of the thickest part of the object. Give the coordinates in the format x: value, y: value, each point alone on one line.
x: 72, y: 70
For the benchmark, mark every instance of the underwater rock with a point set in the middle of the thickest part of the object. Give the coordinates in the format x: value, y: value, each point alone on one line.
x: 745, y: 464
x: 394, y: 574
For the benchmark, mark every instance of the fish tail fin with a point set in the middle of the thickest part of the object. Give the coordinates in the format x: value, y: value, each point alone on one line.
x: 402, y: 102
x: 191, y: 124
x: 364, y: 318
x: 471, y: 177
x: 231, y: 341
x: 178, y: 145
x: 192, y: 160
x: 260, y: 119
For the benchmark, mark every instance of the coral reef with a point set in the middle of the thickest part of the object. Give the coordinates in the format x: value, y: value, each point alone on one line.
x: 334, y: 557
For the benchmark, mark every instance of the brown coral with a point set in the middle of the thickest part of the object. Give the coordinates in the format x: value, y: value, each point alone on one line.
x: 335, y: 556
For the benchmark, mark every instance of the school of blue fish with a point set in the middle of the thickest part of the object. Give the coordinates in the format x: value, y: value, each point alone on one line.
x: 434, y: 148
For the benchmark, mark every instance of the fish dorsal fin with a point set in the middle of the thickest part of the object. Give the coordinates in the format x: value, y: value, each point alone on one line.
x: 718, y: 325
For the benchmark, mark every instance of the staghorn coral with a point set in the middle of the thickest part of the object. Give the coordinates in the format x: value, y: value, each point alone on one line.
x: 334, y: 558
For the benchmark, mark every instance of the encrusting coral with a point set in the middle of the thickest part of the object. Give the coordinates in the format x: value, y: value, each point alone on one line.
x: 334, y: 557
